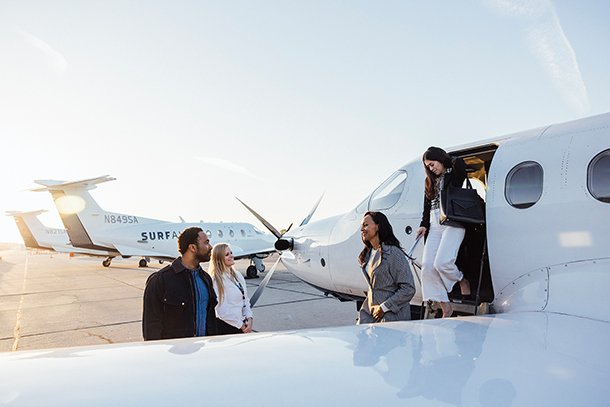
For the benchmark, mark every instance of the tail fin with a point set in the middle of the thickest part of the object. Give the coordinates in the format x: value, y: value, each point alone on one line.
x: 27, y: 234
x: 79, y: 212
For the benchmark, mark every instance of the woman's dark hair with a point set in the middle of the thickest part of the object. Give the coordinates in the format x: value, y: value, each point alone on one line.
x: 385, y: 233
x: 435, y: 154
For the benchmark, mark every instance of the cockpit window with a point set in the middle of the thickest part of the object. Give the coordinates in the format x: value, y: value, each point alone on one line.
x: 598, y: 177
x: 524, y: 185
x: 361, y: 208
x: 388, y: 193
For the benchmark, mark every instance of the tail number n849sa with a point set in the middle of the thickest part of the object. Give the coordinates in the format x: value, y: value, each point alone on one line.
x: 120, y: 219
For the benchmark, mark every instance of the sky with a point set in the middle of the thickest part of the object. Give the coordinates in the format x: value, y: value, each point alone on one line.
x: 189, y: 104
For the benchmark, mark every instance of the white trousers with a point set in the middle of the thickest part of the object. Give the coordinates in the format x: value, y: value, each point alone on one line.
x: 439, y: 272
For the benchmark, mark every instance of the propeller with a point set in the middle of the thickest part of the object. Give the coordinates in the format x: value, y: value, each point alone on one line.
x: 263, y: 221
x: 262, y: 285
x: 281, y: 244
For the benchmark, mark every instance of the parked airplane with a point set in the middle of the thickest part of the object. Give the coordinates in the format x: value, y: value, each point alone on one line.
x: 91, y: 227
x: 38, y: 236
x: 545, y: 273
x: 545, y: 192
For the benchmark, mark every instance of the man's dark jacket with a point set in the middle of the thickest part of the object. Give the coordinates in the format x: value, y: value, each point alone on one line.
x: 169, y: 304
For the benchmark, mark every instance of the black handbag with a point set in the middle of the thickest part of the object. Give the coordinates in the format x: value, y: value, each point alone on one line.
x: 461, y: 206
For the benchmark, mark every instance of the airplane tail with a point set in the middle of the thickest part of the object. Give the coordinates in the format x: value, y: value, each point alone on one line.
x: 84, y: 219
x: 28, y: 225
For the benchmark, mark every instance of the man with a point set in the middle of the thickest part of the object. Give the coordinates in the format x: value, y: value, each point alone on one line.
x: 179, y: 299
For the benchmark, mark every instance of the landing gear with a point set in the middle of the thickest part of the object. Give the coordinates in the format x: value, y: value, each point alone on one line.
x: 160, y: 261
x: 258, y: 263
x: 256, y: 266
x: 106, y: 261
x: 251, y: 272
x: 143, y: 263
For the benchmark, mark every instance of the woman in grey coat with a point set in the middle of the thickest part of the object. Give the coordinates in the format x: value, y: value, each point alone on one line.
x: 387, y: 272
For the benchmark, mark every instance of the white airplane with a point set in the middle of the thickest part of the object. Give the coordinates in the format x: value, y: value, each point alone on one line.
x: 547, y: 194
x: 38, y: 236
x: 90, y: 227
x: 548, y: 264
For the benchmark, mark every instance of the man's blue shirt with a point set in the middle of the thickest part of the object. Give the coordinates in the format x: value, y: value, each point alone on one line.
x: 201, y: 300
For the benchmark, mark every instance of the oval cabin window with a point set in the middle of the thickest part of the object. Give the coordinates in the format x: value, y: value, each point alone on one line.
x: 524, y: 185
x: 598, y: 177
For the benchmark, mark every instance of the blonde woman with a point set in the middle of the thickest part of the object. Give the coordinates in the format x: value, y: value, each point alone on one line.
x: 233, y: 309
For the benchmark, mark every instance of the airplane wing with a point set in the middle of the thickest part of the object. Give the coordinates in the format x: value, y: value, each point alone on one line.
x: 240, y: 253
x: 520, y: 359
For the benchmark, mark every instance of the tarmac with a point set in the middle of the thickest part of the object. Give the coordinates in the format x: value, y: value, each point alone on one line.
x: 54, y: 300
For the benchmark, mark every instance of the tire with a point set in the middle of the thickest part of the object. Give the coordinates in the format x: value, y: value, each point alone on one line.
x: 251, y: 272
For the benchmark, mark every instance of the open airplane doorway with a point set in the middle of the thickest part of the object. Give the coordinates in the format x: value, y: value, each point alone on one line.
x: 473, y: 259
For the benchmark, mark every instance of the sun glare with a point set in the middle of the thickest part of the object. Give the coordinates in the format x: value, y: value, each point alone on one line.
x: 70, y: 204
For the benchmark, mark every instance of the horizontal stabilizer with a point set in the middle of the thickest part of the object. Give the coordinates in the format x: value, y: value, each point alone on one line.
x: 19, y: 213
x: 50, y: 184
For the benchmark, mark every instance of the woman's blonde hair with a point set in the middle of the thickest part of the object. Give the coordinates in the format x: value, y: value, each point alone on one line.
x: 218, y: 268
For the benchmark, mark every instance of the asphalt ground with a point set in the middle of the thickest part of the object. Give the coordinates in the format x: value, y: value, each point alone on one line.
x: 53, y: 300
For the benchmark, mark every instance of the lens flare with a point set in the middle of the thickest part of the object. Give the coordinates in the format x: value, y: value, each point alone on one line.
x: 70, y: 204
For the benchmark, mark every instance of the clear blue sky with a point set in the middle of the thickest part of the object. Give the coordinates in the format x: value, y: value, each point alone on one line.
x: 190, y: 103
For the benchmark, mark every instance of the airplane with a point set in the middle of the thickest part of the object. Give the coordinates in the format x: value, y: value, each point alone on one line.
x: 38, y: 236
x: 90, y: 227
x: 544, y: 190
x: 545, y: 251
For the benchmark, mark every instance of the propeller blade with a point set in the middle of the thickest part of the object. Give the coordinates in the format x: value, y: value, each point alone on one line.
x: 263, y: 221
x: 308, y: 217
x: 262, y: 285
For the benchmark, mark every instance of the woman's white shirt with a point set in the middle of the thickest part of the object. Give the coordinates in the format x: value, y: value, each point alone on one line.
x: 231, y: 309
x: 369, y: 270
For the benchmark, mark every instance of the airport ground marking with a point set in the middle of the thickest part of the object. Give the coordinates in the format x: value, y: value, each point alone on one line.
x: 17, y: 330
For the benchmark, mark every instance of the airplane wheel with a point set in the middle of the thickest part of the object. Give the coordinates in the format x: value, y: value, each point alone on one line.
x: 160, y: 261
x: 143, y: 263
x: 251, y: 272
x: 106, y: 263
x: 262, y: 268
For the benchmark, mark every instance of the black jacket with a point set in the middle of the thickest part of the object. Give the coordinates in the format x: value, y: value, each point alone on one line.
x: 455, y: 178
x: 169, y: 304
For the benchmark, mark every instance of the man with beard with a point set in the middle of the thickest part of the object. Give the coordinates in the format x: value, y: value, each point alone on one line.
x: 179, y: 299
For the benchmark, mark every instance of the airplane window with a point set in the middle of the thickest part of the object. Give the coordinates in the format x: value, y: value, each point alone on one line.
x: 388, y: 193
x: 207, y: 232
x: 243, y: 233
x: 361, y: 208
x: 598, y: 177
x: 524, y: 185
x: 219, y: 233
x: 231, y: 233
